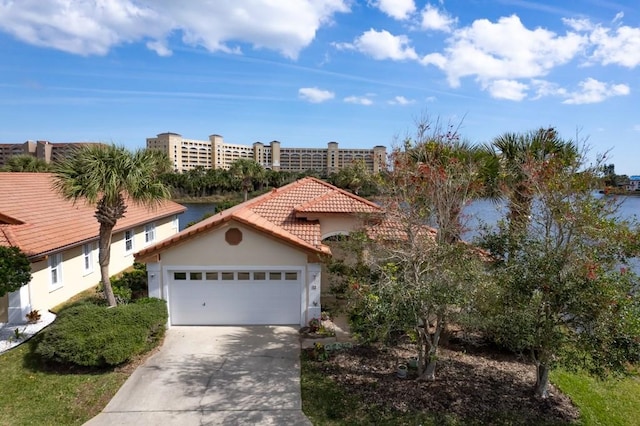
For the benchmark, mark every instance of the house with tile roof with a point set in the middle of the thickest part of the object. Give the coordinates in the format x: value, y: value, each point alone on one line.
x: 60, y: 239
x: 259, y: 262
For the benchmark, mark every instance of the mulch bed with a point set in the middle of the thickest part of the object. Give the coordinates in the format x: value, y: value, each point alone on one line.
x: 475, y: 384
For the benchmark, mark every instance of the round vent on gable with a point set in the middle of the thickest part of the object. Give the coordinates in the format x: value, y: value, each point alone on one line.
x: 233, y: 236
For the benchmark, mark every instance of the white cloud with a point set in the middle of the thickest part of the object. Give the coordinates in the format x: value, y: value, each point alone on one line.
x: 315, y: 95
x: 594, y: 91
x: 434, y: 19
x: 505, y: 49
x: 507, y: 89
x: 160, y: 47
x: 618, y: 17
x: 397, y: 9
x: 382, y: 45
x: 621, y: 47
x: 90, y: 27
x: 545, y: 88
x: 401, y: 100
x: 359, y: 100
x: 578, y: 24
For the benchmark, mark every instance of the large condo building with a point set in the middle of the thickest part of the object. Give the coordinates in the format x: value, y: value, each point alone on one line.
x: 44, y: 150
x: 215, y: 153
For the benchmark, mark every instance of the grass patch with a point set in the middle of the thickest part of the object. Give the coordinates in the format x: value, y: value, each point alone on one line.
x: 34, y: 394
x: 601, y: 402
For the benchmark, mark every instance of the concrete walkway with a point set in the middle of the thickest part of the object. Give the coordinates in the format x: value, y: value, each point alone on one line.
x: 214, y: 376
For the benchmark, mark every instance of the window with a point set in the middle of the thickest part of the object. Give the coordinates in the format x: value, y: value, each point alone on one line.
x: 195, y: 276
x: 275, y: 275
x: 244, y: 275
x: 149, y: 233
x: 290, y: 276
x: 211, y: 276
x: 179, y: 276
x: 176, y: 223
x: 227, y: 276
x: 259, y: 276
x: 55, y: 266
x: 128, y: 241
x: 87, y: 255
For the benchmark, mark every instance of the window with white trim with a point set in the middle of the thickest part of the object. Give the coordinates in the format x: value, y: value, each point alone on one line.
x: 149, y: 233
x: 129, y: 237
x: 55, y: 270
x: 176, y: 223
x: 87, y: 258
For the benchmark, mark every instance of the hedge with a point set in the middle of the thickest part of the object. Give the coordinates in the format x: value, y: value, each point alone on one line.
x: 95, y: 336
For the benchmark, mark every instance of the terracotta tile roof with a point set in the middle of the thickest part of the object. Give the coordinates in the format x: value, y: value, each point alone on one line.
x: 34, y: 217
x: 282, y: 213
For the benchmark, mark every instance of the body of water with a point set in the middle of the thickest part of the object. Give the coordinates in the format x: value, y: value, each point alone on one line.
x: 195, y: 211
x: 483, y: 211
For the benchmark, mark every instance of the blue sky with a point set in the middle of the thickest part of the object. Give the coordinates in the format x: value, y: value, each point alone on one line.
x: 306, y: 72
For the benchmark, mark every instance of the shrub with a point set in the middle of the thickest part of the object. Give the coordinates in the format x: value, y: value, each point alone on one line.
x: 94, y: 336
x: 130, y: 285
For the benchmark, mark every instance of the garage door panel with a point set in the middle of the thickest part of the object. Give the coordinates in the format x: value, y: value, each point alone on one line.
x: 234, y: 302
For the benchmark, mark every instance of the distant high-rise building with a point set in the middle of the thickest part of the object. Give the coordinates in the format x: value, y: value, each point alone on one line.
x: 215, y: 153
x: 43, y: 150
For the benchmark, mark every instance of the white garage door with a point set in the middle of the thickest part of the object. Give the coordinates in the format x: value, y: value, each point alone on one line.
x: 234, y: 297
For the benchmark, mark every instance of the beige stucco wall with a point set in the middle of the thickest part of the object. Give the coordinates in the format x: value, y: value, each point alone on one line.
x: 335, y: 225
x: 74, y: 279
x: 40, y: 295
x: 121, y: 260
x: 211, y: 249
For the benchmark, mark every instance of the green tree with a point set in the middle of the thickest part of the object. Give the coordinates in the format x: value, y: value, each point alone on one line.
x: 353, y: 177
x: 25, y: 163
x: 565, y: 292
x: 109, y: 176
x: 15, y: 269
x: 247, y: 173
x: 421, y: 278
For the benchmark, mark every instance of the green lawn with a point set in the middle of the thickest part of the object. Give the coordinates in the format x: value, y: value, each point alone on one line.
x: 607, y: 403
x: 33, y: 395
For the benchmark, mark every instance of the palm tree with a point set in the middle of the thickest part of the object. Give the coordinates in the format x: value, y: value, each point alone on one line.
x: 522, y: 158
x: 247, y: 172
x: 108, y: 176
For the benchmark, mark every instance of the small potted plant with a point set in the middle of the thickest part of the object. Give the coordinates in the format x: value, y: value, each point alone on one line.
x: 314, y: 325
x: 33, y: 316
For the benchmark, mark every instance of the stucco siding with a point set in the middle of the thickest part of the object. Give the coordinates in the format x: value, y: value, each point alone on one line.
x: 332, y: 225
x: 255, y: 249
x: 121, y: 259
x: 73, y: 278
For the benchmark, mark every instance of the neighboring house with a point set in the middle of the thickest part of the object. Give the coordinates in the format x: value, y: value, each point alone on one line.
x: 61, y: 240
x: 256, y: 263
x: 634, y: 183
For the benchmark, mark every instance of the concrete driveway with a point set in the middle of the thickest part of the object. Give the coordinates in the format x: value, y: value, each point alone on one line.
x: 214, y: 376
